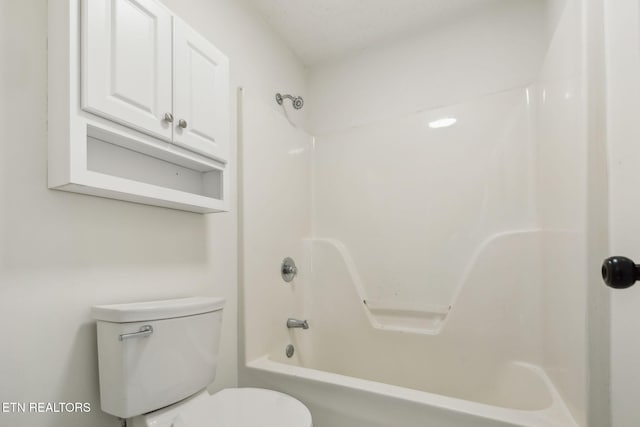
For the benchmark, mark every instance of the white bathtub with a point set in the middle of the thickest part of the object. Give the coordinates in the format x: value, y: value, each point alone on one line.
x: 480, y: 369
x: 342, y: 401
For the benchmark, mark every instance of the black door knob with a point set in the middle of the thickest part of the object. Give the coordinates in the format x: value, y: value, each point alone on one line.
x: 620, y: 272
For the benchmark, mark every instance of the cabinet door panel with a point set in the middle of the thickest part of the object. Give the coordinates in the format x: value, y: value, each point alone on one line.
x: 200, y: 94
x: 126, y: 63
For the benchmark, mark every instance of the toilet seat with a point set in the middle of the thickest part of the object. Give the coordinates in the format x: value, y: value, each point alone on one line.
x: 244, y: 407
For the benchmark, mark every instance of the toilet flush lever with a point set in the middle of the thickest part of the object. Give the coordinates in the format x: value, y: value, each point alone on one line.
x: 144, y: 331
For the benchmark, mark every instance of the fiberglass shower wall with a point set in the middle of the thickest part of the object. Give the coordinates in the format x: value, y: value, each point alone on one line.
x: 275, y: 166
x: 413, y: 209
x: 428, y: 156
x: 412, y: 204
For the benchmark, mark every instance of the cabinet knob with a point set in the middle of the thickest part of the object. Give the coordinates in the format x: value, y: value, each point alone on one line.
x: 182, y: 123
x: 168, y: 117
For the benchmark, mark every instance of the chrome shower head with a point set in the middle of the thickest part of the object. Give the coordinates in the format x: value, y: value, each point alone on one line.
x: 297, y: 101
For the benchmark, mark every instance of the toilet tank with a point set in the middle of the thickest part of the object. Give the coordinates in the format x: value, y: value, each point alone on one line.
x: 142, y: 370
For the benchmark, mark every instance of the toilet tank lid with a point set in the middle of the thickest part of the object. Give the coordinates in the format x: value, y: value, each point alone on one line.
x: 156, y: 310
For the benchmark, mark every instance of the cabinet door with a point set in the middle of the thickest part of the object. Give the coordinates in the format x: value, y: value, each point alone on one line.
x: 126, y: 63
x: 200, y: 94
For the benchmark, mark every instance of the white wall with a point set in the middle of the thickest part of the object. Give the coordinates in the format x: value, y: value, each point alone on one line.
x: 60, y: 253
x: 491, y: 50
x: 561, y: 196
x: 623, y: 132
x: 598, y: 296
x: 572, y: 188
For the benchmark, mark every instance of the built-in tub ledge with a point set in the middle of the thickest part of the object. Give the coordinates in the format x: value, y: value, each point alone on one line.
x: 396, y: 315
x: 407, y: 317
x: 304, y: 380
x: 386, y: 315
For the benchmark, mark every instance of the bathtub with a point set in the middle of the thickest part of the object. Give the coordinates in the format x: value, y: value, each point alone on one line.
x: 353, y: 370
x: 337, y: 400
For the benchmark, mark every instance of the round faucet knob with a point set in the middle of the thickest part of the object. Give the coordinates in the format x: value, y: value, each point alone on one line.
x: 288, y: 269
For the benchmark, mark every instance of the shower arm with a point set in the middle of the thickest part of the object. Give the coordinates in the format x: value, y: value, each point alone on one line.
x: 280, y: 97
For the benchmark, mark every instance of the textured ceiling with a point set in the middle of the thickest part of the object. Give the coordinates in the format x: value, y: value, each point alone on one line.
x: 317, y: 30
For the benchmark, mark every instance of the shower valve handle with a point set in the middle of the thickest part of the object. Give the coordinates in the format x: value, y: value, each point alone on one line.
x: 620, y: 272
x: 288, y: 269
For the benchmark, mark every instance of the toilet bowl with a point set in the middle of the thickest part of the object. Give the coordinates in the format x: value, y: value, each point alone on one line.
x: 232, y: 407
x: 156, y: 359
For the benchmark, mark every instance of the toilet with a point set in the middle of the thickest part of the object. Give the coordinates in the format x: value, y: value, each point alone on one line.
x: 157, y: 358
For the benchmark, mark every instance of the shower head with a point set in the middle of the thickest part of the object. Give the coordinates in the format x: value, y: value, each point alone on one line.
x: 297, y: 101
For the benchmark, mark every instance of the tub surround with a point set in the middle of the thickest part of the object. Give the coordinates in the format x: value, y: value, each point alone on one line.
x: 429, y: 251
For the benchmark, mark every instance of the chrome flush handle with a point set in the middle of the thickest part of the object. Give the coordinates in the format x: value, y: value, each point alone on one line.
x: 144, y: 331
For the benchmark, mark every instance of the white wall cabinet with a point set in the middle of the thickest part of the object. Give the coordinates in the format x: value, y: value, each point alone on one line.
x: 200, y: 93
x: 138, y: 106
x: 126, y: 63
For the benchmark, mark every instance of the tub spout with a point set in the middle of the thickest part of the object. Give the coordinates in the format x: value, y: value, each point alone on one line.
x: 295, y: 323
